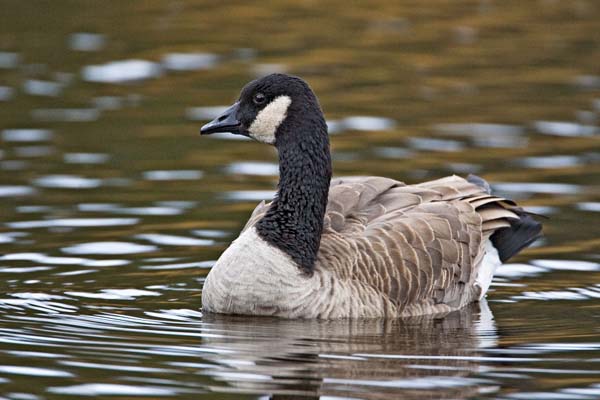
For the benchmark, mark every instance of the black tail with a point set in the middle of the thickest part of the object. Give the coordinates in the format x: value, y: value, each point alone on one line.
x: 521, y: 233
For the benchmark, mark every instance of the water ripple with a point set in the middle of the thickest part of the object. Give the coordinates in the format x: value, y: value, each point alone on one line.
x: 173, y: 175
x: 367, y: 123
x: 114, y: 294
x: 115, y: 248
x: 561, y: 128
x: 430, y: 382
x: 110, y: 389
x: 10, y: 191
x: 86, y: 158
x: 33, y: 371
x: 567, y: 265
x: 6, y: 93
x: 432, y: 144
x: 85, y: 41
x: 9, y: 60
x: 26, y: 135
x: 573, y: 293
x: 173, y: 240
x: 249, y: 195
x: 24, y: 270
x: 33, y: 151
x: 65, y: 114
x: 36, y: 87
x: 67, y: 182
x: 253, y: 168
x: 589, y: 206
x: 121, y: 71
x: 211, y: 233
x: 554, y: 161
x: 189, y: 61
x: 478, y: 129
x: 10, y: 237
x: 73, y: 223
x: 118, y: 209
x: 535, y: 187
x: 44, y: 259
x: 197, y: 264
x: 516, y: 271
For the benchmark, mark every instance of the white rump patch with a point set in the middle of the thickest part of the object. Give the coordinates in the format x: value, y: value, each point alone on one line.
x: 267, y: 121
x: 488, y: 266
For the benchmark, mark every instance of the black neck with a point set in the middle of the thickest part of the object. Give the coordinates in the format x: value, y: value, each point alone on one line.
x: 294, y: 222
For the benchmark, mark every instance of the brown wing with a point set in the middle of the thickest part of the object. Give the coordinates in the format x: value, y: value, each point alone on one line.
x: 420, y: 245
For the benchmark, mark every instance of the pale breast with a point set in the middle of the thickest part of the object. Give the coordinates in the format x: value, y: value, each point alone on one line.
x: 250, y: 277
x: 255, y: 278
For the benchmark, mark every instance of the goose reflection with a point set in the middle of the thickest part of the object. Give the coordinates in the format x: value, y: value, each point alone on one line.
x: 434, y: 357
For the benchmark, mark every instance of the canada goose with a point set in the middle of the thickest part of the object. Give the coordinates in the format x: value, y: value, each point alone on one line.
x: 359, y: 246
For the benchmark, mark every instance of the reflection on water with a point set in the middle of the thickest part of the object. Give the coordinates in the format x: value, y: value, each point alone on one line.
x: 316, y: 357
x: 113, y: 210
x: 185, y: 353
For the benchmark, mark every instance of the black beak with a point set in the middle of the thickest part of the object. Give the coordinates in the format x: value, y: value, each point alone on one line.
x: 226, y: 122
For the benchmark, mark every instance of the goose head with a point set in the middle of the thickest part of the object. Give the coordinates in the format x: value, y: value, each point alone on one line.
x: 283, y: 111
x: 275, y: 109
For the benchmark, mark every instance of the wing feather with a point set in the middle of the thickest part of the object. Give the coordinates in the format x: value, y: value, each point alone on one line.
x: 421, y: 244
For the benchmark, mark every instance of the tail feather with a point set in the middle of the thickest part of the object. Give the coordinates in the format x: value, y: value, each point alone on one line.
x: 521, y: 233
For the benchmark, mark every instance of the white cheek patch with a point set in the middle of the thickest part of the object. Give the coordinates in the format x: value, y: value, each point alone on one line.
x: 267, y: 121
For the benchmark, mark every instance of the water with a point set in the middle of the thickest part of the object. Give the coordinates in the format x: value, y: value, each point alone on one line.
x: 113, y: 209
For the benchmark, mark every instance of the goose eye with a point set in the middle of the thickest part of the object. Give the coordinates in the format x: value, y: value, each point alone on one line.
x: 259, y: 98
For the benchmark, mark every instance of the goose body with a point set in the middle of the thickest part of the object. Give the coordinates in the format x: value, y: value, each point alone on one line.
x: 357, y: 247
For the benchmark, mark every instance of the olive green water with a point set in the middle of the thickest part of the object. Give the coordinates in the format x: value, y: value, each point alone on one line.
x: 113, y: 209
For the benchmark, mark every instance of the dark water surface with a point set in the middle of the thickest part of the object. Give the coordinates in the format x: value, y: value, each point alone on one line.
x: 113, y: 209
